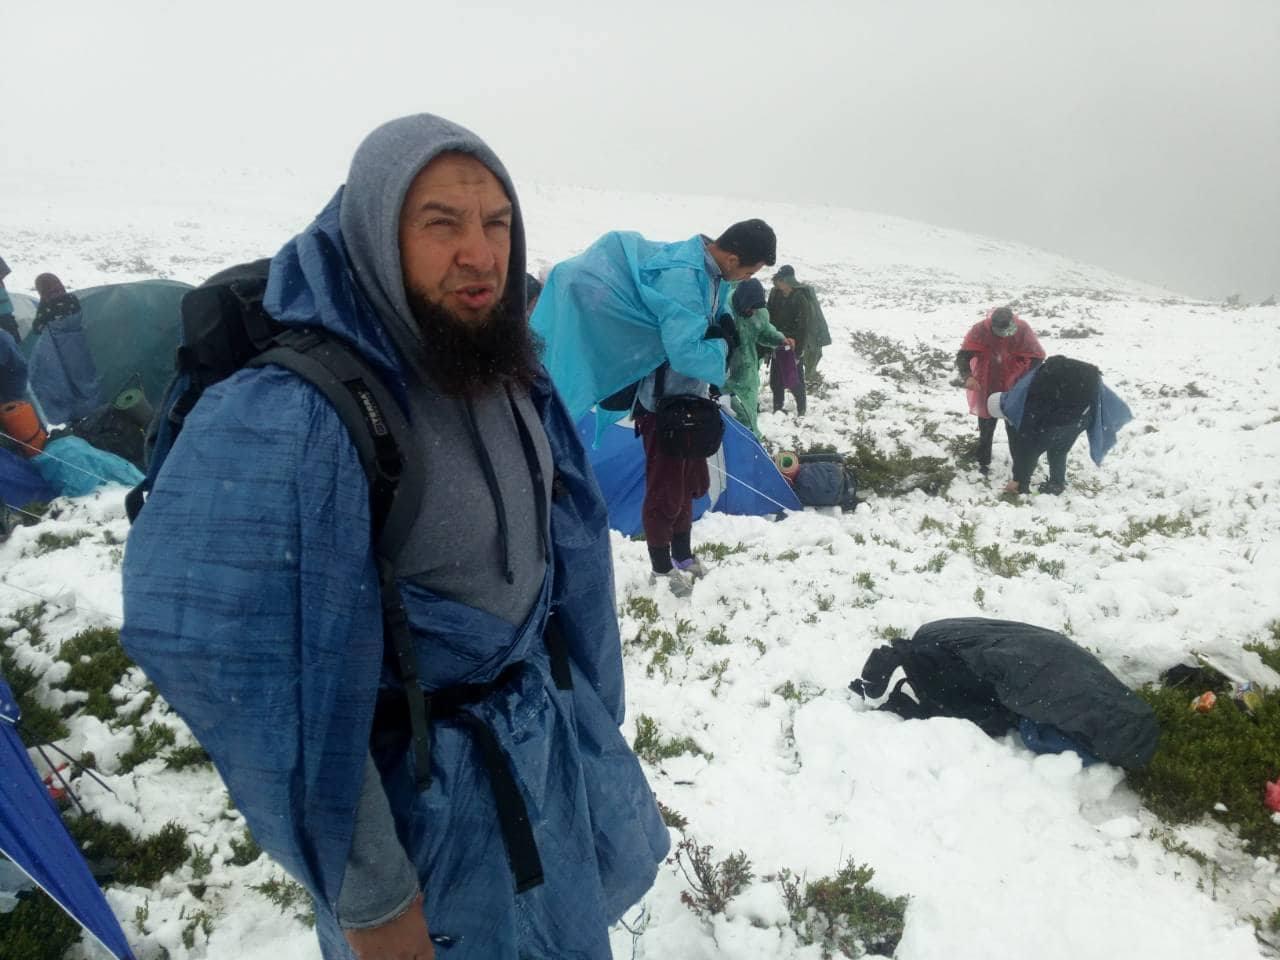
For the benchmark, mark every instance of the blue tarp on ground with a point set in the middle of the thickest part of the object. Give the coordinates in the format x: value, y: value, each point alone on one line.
x: 744, y: 480
x: 75, y: 468
x: 33, y: 837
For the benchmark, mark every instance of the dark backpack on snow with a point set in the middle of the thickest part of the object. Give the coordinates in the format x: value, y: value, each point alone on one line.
x: 825, y: 480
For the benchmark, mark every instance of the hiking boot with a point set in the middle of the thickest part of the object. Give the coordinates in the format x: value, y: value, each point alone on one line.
x: 984, y: 469
x: 680, y: 583
x: 1052, y: 486
x: 692, y: 567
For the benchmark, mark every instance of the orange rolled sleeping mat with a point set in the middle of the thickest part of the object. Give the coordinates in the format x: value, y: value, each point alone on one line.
x: 20, y: 422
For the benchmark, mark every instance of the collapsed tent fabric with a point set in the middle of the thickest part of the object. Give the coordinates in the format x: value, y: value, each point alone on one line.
x: 744, y: 480
x: 74, y: 467
x: 32, y: 835
x: 998, y: 672
x: 21, y: 483
x: 132, y: 331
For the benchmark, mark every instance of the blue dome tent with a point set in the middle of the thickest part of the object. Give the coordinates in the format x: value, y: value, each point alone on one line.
x: 33, y: 837
x: 744, y: 479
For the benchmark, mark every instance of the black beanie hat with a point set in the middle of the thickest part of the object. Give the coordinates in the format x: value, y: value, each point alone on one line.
x: 1002, y: 320
x: 748, y: 296
x: 786, y: 273
x: 751, y: 241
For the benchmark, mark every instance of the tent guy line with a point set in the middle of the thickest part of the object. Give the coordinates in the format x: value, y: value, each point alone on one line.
x: 62, y: 606
x: 66, y: 463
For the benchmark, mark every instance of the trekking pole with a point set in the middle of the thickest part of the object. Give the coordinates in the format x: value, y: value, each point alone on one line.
x: 83, y: 769
x: 58, y: 773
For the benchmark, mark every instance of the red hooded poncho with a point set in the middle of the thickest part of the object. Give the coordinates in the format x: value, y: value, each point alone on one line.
x: 998, y: 362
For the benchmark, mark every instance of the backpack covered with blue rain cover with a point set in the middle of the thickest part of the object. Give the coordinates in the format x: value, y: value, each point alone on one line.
x: 1003, y: 675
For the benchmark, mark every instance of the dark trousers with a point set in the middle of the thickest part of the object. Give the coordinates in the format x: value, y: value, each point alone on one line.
x: 1054, y: 441
x: 780, y: 392
x: 670, y: 486
x: 986, y: 433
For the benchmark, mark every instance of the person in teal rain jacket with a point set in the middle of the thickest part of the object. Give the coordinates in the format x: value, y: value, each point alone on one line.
x: 630, y: 322
x: 252, y: 601
x: 754, y: 331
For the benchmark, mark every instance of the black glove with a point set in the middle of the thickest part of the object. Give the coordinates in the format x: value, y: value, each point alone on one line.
x: 724, y: 329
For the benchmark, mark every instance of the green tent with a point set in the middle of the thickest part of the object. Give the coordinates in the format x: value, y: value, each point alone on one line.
x: 133, y: 331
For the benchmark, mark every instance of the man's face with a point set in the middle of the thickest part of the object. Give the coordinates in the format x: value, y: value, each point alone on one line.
x: 736, y: 270
x: 455, y: 237
x: 783, y: 286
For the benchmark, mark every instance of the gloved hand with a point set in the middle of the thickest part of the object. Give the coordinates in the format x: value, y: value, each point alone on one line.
x: 723, y: 329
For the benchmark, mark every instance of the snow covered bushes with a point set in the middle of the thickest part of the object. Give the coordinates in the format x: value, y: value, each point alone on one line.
x: 1215, y: 763
x: 844, y: 913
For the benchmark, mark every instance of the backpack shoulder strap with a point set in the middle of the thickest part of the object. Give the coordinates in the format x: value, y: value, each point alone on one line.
x: 396, y: 467
x: 388, y: 449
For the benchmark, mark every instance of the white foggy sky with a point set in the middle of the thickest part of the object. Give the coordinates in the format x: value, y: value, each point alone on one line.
x: 1142, y: 135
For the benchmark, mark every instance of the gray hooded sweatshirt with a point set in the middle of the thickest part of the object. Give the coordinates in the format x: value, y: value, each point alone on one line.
x: 476, y: 539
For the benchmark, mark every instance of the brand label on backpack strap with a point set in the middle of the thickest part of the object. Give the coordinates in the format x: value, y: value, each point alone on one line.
x: 372, y: 412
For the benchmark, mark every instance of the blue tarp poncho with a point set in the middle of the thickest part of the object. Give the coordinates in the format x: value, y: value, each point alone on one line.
x: 1109, y: 413
x: 251, y: 600
x: 61, y: 370
x: 612, y: 314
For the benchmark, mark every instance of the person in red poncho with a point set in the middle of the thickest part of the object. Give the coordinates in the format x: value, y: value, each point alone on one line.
x: 995, y: 353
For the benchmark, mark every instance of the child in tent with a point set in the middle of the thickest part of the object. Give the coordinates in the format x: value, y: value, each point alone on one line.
x: 754, y: 331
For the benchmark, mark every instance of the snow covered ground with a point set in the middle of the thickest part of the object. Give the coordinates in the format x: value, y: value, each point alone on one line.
x: 1003, y: 854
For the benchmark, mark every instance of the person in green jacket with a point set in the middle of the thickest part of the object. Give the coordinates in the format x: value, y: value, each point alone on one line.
x: 794, y: 309
x: 754, y: 331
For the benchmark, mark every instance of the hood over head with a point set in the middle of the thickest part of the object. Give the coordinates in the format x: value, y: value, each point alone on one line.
x: 381, y: 171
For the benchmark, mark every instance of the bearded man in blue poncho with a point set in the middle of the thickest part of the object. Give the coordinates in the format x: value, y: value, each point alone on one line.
x: 252, y: 598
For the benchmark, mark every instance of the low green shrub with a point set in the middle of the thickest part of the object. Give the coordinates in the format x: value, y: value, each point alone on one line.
x: 844, y: 914
x: 147, y: 744
x: 141, y: 861
x: 1224, y: 756
x: 712, y: 883
x: 37, y: 929
x: 98, y: 662
x: 651, y: 746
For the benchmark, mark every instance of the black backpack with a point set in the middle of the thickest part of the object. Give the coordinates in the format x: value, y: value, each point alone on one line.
x: 225, y: 329
x: 825, y: 480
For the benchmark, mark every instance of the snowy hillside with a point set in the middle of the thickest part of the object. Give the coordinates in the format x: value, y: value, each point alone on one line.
x: 1170, y: 548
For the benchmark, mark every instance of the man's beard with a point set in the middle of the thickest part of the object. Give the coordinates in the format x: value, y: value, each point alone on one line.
x: 467, y: 359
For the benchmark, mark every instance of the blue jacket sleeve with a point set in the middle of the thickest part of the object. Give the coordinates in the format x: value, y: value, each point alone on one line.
x: 251, y: 601
x: 13, y: 370
x: 678, y: 298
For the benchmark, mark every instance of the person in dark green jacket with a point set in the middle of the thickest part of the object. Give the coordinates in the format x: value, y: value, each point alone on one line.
x: 754, y: 331
x: 795, y: 311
